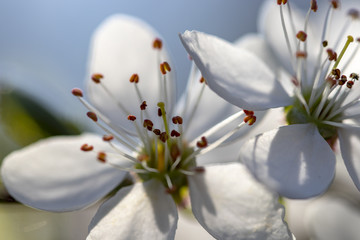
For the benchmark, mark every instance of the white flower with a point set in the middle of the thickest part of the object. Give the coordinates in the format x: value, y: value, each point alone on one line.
x: 319, y: 91
x: 158, y: 147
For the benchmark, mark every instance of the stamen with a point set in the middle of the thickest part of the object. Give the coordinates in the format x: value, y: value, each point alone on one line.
x: 177, y: 120
x: 157, y: 132
x: 134, y: 78
x: 101, y: 157
x: 96, y: 77
x: 301, y: 35
x: 86, y: 147
x: 92, y: 116
x: 157, y: 44
x: 335, y: 4
x: 332, y: 55
x: 165, y: 67
x: 202, y: 143
x: 250, y: 120
x: 174, y: 133
x: 108, y: 138
x: 77, y: 92
x: 131, y: 118
x: 148, y: 124
x: 313, y: 5
x: 202, y: 80
x: 143, y: 105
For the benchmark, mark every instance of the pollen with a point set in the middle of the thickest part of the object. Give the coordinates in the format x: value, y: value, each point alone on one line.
x: 101, y: 157
x: 157, y: 44
x: 86, y: 147
x: 131, y: 118
x: 96, y: 77
x: 77, y: 92
x: 134, y: 78
x: 165, y: 67
x: 92, y: 116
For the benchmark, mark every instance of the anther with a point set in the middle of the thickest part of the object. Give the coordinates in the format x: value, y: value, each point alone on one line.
x: 163, y: 137
x: 301, y: 54
x: 165, y: 67
x: 96, y: 77
x: 353, y: 13
x: 313, y: 5
x: 148, y: 124
x: 324, y: 43
x: 134, y: 78
x: 202, y: 143
x: 335, y: 4
x: 248, y: 112
x: 108, y: 138
x: 86, y: 147
x: 354, y: 76
x: 349, y: 84
x: 157, y: 131
x: 159, y: 112
x: 101, y: 157
x: 336, y: 72
x: 250, y: 120
x: 77, y: 92
x: 202, y: 80
x: 131, y: 118
x: 301, y: 35
x: 157, y: 44
x: 174, y: 133
x: 199, y: 169
x: 143, y: 105
x: 332, y: 55
x: 342, y: 80
x: 143, y: 157
x: 295, y: 81
x: 92, y: 116
x: 279, y: 2
x: 177, y: 120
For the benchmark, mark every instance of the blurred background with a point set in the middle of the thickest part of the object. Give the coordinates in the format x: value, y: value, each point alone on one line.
x: 43, y: 55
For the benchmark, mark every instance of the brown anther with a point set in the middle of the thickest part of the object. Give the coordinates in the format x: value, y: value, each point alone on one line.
x: 96, y: 77
x: 143, y: 157
x: 157, y: 44
x: 353, y: 13
x: 202, y: 143
x: 199, y: 169
x: 336, y: 72
x: 174, y: 133
x: 301, y: 54
x: 279, y: 2
x: 92, y: 115
x: 131, y: 118
x: 86, y: 147
x: 250, y: 120
x: 175, y: 152
x: 349, y: 84
x: 148, y: 124
x: 331, y: 80
x: 157, y: 131
x: 332, y: 55
x: 101, y: 157
x: 335, y: 4
x: 202, y: 80
x: 108, y: 138
x: 143, y: 105
x: 163, y: 136
x: 165, y: 67
x: 354, y: 76
x: 358, y: 40
x: 301, y: 35
x: 77, y: 92
x: 248, y: 112
x: 134, y: 78
x: 324, y: 43
x: 159, y: 112
x: 177, y: 120
x: 342, y: 80
x: 295, y: 81
x: 313, y: 5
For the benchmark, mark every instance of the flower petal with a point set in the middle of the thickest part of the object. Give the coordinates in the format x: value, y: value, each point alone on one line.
x: 121, y: 47
x: 235, y: 74
x: 230, y: 204
x: 349, y: 141
x: 144, y: 211
x: 55, y: 175
x: 293, y: 160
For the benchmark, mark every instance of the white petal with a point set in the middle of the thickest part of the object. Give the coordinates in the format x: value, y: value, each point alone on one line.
x: 349, y: 145
x: 55, y: 175
x: 332, y: 219
x: 230, y: 204
x: 144, y: 211
x: 235, y: 74
x: 293, y: 160
x: 122, y: 46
